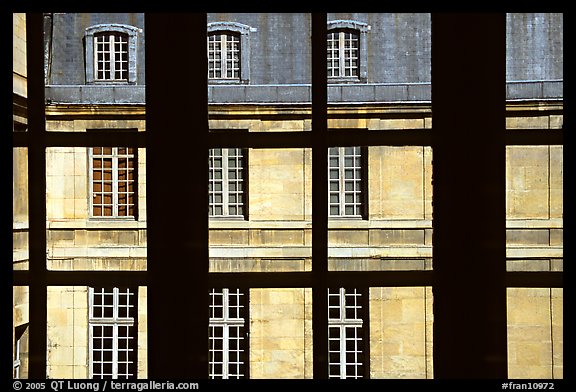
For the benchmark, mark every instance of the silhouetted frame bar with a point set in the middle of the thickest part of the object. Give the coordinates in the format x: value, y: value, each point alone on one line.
x: 177, y: 195
x: 469, y: 180
x: 37, y: 311
x: 319, y: 197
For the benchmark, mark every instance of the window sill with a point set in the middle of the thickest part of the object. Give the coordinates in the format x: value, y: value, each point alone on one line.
x: 96, y: 223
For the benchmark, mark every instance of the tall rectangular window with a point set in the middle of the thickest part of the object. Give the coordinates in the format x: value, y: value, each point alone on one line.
x: 112, y: 314
x: 226, y: 182
x: 223, y: 56
x: 346, y: 182
x: 111, y: 55
x: 227, y: 334
x: 113, y: 171
x: 345, y: 333
x: 343, y: 53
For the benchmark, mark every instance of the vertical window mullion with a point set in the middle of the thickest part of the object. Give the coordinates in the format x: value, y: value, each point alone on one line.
x: 226, y: 333
x: 112, y: 56
x: 225, y: 187
x: 115, y: 350
x: 342, y: 299
x: 342, y: 179
x: 341, y: 55
x: 115, y: 199
x: 223, y: 56
x: 91, y: 180
x: 342, y: 351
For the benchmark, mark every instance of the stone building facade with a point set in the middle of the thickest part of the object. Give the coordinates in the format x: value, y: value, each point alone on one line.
x: 381, y: 210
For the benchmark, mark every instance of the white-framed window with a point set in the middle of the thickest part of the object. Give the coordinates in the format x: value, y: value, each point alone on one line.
x: 346, y: 182
x: 113, y: 182
x: 227, y: 335
x: 345, y: 334
x: 111, y: 53
x: 224, y: 56
x: 347, y: 51
x: 343, y: 53
x: 112, y: 330
x: 227, y: 185
x: 228, y: 52
x: 111, y: 57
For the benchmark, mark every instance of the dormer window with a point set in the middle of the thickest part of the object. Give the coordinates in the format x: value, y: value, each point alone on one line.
x: 229, y: 52
x: 111, y: 53
x: 346, y: 51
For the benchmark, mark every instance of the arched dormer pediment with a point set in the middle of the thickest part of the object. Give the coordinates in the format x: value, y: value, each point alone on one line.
x: 230, y: 26
x: 115, y: 27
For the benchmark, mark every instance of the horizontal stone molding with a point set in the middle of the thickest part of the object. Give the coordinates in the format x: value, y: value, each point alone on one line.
x: 534, y: 251
x: 97, y: 252
x: 295, y: 93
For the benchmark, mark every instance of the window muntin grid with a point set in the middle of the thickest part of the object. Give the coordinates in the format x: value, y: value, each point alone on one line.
x: 111, y: 57
x: 224, y: 56
x: 226, y: 182
x: 112, y: 333
x: 343, y: 53
x: 345, y: 334
x: 227, y: 334
x: 113, y: 182
x: 345, y: 181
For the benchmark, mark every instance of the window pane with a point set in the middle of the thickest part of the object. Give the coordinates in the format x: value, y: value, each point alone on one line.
x: 85, y: 206
x: 534, y: 208
x: 382, y: 60
x: 279, y: 191
x: 381, y: 219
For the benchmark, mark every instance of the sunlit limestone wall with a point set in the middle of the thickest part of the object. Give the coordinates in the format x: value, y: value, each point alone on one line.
x: 535, y: 333
x: 534, y: 210
x: 281, y: 333
x: 401, y: 322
